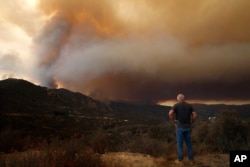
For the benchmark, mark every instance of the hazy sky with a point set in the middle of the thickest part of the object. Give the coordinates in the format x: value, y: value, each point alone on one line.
x: 132, y: 50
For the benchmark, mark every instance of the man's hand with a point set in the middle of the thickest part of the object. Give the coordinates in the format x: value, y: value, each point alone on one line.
x: 171, y: 115
x: 193, y: 117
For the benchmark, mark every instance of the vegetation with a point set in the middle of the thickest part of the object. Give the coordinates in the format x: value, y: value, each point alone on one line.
x: 225, y: 133
x: 67, y: 153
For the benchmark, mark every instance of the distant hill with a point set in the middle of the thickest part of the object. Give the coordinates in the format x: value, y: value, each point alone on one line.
x: 43, y: 111
x: 141, y: 113
x: 206, y: 111
x: 21, y: 96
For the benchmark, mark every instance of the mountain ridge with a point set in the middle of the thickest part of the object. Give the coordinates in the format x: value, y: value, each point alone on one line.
x: 26, y: 105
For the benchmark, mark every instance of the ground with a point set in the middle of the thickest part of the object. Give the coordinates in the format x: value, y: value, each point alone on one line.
x: 125, y: 159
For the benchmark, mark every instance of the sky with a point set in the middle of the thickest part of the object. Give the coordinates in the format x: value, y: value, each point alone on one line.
x: 144, y: 51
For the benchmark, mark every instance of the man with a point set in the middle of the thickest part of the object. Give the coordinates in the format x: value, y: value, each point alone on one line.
x: 183, y: 115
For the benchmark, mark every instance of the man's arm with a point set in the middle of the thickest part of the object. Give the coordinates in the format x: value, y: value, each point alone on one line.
x: 171, y: 115
x: 193, y: 116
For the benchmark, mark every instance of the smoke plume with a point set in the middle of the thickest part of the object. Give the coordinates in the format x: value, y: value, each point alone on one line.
x: 145, y: 50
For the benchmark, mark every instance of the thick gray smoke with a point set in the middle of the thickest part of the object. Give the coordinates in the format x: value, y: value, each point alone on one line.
x: 92, y: 48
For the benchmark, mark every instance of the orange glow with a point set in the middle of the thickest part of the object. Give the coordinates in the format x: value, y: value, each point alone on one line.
x: 227, y: 102
x: 59, y: 84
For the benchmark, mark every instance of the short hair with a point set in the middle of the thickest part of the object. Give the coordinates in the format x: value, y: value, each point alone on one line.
x: 180, y: 97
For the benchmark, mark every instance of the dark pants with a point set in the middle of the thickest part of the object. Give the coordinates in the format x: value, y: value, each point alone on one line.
x: 181, y: 135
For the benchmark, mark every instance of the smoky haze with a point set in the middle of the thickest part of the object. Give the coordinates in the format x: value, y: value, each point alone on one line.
x: 145, y: 51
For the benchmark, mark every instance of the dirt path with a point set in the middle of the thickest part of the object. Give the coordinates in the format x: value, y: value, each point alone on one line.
x: 125, y: 159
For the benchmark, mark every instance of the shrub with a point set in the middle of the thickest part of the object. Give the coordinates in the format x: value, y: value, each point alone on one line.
x: 58, y: 154
x: 11, y: 140
x: 231, y: 133
x: 100, y: 141
x: 227, y: 132
x: 152, y: 147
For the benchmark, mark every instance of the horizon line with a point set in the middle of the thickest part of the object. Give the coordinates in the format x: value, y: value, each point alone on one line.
x: 208, y: 102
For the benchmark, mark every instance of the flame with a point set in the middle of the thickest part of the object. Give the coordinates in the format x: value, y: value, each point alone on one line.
x: 59, y: 84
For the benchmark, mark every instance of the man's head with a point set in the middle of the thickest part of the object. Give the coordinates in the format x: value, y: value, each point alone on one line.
x: 180, y: 97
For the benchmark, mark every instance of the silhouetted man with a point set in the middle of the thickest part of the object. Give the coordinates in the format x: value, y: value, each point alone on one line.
x: 183, y: 115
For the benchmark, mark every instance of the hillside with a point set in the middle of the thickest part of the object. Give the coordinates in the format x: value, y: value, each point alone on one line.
x: 25, y: 97
x: 148, y: 114
x: 205, y: 111
x: 42, y: 111
x: 24, y: 105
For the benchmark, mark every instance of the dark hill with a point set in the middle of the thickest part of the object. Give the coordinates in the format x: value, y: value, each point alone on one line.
x: 22, y: 96
x: 43, y: 111
x: 205, y: 111
x: 141, y: 113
